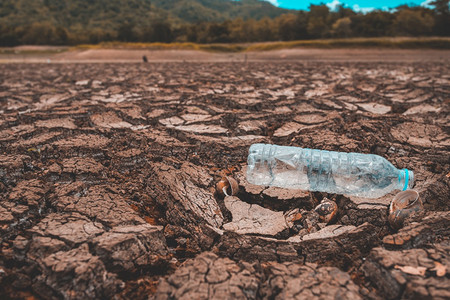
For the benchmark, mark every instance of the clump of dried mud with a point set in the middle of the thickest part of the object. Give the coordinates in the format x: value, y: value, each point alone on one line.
x: 108, y: 173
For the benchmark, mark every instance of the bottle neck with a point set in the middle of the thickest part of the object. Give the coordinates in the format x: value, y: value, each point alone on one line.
x: 405, y: 179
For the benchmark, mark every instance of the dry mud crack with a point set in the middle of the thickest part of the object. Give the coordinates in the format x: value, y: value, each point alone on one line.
x: 108, y: 173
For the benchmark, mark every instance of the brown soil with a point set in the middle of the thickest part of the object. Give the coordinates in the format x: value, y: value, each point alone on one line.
x: 45, y: 54
x: 108, y: 173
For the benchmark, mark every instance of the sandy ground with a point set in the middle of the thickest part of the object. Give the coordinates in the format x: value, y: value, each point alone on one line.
x: 126, y: 55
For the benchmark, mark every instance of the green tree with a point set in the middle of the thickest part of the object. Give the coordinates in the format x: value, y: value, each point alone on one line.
x: 441, y: 17
x: 218, y: 33
x: 43, y: 34
x: 317, y: 22
x: 203, y: 21
x: 237, y: 34
x: 126, y: 33
x: 98, y: 35
x: 198, y: 33
x: 162, y: 32
x: 413, y: 22
x: 8, y: 36
x: 301, y: 30
x: 287, y: 27
x: 343, y: 12
x: 250, y: 28
x: 317, y: 27
x: 342, y: 28
x: 376, y: 23
x: 61, y: 35
x: 266, y: 30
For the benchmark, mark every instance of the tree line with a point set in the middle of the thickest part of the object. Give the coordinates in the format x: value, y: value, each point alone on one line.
x: 317, y: 23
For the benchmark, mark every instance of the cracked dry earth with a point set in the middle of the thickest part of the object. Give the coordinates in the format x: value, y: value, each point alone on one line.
x: 108, y: 173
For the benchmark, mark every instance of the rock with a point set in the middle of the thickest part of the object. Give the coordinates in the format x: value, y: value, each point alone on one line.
x: 83, y: 140
x: 172, y: 121
x: 81, y: 165
x: 72, y: 228
x: 131, y: 247
x: 288, y: 129
x: 432, y: 227
x: 338, y: 250
x: 202, y: 129
x: 186, y: 186
x: 30, y: 192
x: 109, y: 120
x: 422, y: 109
x: 252, y: 218
x: 193, y: 118
x: 400, y: 274
x: 57, y: 123
x: 210, y: 277
x: 285, y: 194
x: 375, y: 108
x: 310, y: 119
x: 76, y: 274
x: 101, y: 203
x: 327, y: 232
x: 294, y: 281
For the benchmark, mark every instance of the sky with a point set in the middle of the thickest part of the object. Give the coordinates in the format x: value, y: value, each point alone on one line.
x: 359, y: 6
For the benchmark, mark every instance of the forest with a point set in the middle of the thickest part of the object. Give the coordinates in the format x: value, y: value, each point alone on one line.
x: 63, y: 22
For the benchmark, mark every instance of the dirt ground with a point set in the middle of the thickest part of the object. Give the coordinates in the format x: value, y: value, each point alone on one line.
x: 108, y: 174
x: 45, y: 54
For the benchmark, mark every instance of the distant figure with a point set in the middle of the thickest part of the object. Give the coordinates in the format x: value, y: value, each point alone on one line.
x: 144, y: 58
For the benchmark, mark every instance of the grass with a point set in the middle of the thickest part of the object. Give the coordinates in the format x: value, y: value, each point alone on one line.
x: 167, y: 46
x: 386, y: 42
x: 41, y: 50
x: 395, y: 43
x: 398, y: 43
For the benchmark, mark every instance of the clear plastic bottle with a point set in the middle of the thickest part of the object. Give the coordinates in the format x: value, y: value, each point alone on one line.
x: 362, y: 175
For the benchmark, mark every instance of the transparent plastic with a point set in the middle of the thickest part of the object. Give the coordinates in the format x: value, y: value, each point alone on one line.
x: 362, y: 175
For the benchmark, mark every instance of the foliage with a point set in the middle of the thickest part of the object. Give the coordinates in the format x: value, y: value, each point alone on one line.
x: 72, y: 22
x: 400, y: 43
x: 442, y: 17
x: 413, y: 22
x: 342, y: 27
